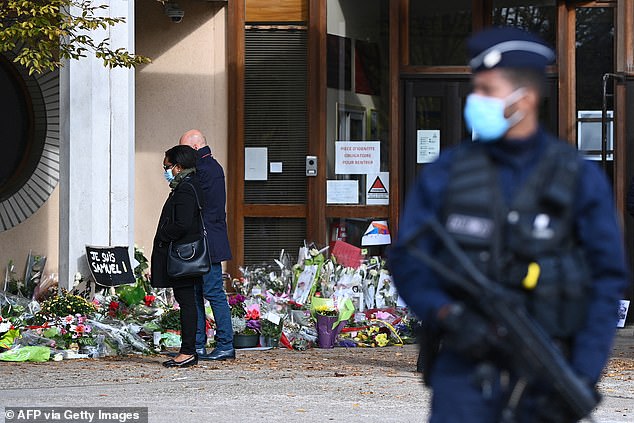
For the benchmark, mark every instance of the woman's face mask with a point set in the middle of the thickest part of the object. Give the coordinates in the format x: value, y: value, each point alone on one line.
x: 169, y: 176
x: 485, y: 115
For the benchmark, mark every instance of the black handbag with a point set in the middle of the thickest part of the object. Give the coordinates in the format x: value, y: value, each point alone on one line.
x: 189, y: 259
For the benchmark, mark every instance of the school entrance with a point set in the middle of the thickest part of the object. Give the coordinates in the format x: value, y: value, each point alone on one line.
x: 327, y: 96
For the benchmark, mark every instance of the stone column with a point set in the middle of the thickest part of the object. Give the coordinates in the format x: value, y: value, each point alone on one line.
x: 96, y: 151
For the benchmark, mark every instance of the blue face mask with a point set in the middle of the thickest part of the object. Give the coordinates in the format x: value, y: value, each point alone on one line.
x: 169, y: 177
x: 485, y: 115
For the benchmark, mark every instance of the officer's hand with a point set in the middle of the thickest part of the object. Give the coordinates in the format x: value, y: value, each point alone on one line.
x: 466, y: 332
x: 551, y: 408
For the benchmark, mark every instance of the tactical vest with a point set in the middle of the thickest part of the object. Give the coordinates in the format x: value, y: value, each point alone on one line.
x: 535, y: 232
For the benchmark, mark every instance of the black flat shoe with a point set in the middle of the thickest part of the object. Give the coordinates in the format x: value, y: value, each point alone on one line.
x: 191, y: 361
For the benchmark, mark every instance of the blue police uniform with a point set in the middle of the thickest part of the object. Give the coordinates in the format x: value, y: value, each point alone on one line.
x: 458, y: 394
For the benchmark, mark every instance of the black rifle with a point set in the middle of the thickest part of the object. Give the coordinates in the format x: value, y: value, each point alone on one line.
x: 533, y: 351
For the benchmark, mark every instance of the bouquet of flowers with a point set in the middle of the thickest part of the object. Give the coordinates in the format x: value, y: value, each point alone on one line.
x: 71, y: 331
x: 245, y: 319
x: 326, y: 309
x: 66, y: 304
x: 377, y: 333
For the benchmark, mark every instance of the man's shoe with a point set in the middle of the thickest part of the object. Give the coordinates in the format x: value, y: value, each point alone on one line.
x: 219, y: 355
x: 201, y: 352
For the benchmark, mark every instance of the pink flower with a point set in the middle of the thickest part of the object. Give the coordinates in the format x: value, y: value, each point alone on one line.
x: 69, y: 319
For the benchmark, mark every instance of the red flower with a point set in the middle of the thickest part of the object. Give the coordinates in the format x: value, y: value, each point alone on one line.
x: 149, y: 300
x: 114, y: 305
x: 253, y: 314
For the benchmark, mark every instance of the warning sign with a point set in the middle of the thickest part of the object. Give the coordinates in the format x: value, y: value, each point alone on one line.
x: 378, y: 188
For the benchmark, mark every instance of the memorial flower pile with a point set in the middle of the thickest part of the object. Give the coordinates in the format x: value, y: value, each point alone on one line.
x: 278, y: 302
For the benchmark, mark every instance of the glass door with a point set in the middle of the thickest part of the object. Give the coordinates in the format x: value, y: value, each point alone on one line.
x: 358, y: 121
x: 433, y: 120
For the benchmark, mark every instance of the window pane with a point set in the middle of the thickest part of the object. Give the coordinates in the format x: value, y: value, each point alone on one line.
x: 594, y: 58
x: 539, y: 17
x: 358, y: 98
x: 438, y: 31
x: 594, y: 54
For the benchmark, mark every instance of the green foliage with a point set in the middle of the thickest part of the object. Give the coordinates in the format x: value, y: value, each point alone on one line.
x: 269, y: 329
x: 42, y: 33
x: 131, y: 294
x: 141, y: 270
x: 170, y: 320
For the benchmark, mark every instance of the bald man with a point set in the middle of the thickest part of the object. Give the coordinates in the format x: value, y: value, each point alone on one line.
x: 212, y: 182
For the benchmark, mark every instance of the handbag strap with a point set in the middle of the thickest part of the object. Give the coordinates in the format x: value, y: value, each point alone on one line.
x: 200, y: 209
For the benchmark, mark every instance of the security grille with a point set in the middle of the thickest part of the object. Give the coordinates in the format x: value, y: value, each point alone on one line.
x: 265, y: 238
x: 276, y: 112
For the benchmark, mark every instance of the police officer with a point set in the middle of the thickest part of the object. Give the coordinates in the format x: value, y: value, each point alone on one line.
x: 519, y: 203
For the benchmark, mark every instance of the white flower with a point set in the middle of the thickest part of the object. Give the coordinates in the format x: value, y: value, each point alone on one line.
x: 4, y: 327
x: 238, y: 324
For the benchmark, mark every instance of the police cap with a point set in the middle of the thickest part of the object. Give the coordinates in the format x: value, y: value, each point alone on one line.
x: 506, y: 47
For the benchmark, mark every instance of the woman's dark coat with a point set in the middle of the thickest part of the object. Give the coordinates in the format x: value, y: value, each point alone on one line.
x: 179, y: 221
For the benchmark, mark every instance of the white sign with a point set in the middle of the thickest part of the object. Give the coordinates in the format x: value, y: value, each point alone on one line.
x: 342, y: 192
x: 275, y: 167
x: 377, y: 189
x: 623, y: 306
x: 427, y: 145
x: 256, y: 164
x: 357, y: 157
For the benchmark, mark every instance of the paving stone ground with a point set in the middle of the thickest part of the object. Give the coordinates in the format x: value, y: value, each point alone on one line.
x: 340, y: 385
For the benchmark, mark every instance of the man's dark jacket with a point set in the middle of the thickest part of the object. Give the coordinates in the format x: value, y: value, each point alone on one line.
x: 212, y: 182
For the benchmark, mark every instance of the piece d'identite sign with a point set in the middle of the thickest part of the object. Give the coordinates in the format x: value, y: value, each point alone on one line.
x: 110, y: 266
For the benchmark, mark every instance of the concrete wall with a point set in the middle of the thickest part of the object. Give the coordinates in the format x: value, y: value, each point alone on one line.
x: 184, y: 87
x: 39, y: 233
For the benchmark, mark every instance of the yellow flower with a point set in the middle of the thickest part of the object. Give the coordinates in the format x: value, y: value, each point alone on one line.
x: 381, y: 339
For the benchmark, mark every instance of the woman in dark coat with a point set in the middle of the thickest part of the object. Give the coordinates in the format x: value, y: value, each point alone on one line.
x: 179, y: 222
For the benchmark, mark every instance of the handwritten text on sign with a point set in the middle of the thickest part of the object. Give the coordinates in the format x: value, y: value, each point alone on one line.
x: 110, y: 266
x: 354, y: 157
